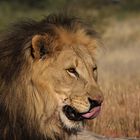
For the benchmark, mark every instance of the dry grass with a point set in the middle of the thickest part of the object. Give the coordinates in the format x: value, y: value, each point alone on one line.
x: 119, y: 78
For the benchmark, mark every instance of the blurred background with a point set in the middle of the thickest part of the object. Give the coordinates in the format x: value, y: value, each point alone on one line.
x: 118, y: 23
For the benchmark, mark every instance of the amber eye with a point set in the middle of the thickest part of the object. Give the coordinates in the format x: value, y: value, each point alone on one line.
x: 95, y: 72
x: 72, y: 72
x: 95, y: 68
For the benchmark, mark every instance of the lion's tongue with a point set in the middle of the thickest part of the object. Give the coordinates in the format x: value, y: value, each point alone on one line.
x: 92, y: 113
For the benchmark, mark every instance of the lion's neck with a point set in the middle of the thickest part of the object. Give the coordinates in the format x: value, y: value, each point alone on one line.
x: 13, y: 122
x: 18, y: 132
x: 10, y: 130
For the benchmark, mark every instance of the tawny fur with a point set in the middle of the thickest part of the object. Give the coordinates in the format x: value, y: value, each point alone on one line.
x: 35, y: 83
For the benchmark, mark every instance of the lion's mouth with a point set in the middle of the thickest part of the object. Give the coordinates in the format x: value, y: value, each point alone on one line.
x: 73, y: 114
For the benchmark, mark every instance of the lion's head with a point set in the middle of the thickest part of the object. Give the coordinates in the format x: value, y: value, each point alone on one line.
x: 48, y: 84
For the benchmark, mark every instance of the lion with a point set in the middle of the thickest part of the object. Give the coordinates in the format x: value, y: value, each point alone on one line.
x: 48, y: 79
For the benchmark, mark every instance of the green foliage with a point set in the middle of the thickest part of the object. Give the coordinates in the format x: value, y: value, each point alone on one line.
x: 93, y: 10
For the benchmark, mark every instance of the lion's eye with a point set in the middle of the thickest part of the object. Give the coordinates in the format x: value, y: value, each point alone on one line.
x: 72, y: 72
x: 95, y: 68
x: 95, y: 72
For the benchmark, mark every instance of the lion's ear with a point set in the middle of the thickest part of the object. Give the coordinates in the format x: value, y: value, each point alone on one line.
x: 39, y: 46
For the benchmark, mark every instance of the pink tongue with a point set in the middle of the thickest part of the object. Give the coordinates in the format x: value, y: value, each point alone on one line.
x: 93, y: 112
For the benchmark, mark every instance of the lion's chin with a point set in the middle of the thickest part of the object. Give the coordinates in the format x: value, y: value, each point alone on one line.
x: 69, y: 125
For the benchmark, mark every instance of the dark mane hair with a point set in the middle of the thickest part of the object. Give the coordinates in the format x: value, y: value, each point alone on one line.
x: 14, y: 45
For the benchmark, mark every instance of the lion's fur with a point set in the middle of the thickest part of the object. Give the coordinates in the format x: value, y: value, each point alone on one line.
x: 21, y: 102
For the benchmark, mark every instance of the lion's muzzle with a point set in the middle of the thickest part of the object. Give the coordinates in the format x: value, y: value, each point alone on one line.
x: 72, y: 113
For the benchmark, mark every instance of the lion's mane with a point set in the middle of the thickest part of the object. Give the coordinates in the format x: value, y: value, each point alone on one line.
x: 15, y: 99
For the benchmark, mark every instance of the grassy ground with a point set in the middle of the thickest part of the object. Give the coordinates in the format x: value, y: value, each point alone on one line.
x: 119, y: 78
x: 118, y: 61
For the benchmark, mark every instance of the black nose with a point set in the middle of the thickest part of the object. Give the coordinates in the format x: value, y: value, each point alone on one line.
x: 94, y: 103
x: 71, y: 113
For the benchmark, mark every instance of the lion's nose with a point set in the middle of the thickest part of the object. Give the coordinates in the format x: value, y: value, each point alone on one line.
x: 95, y: 102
